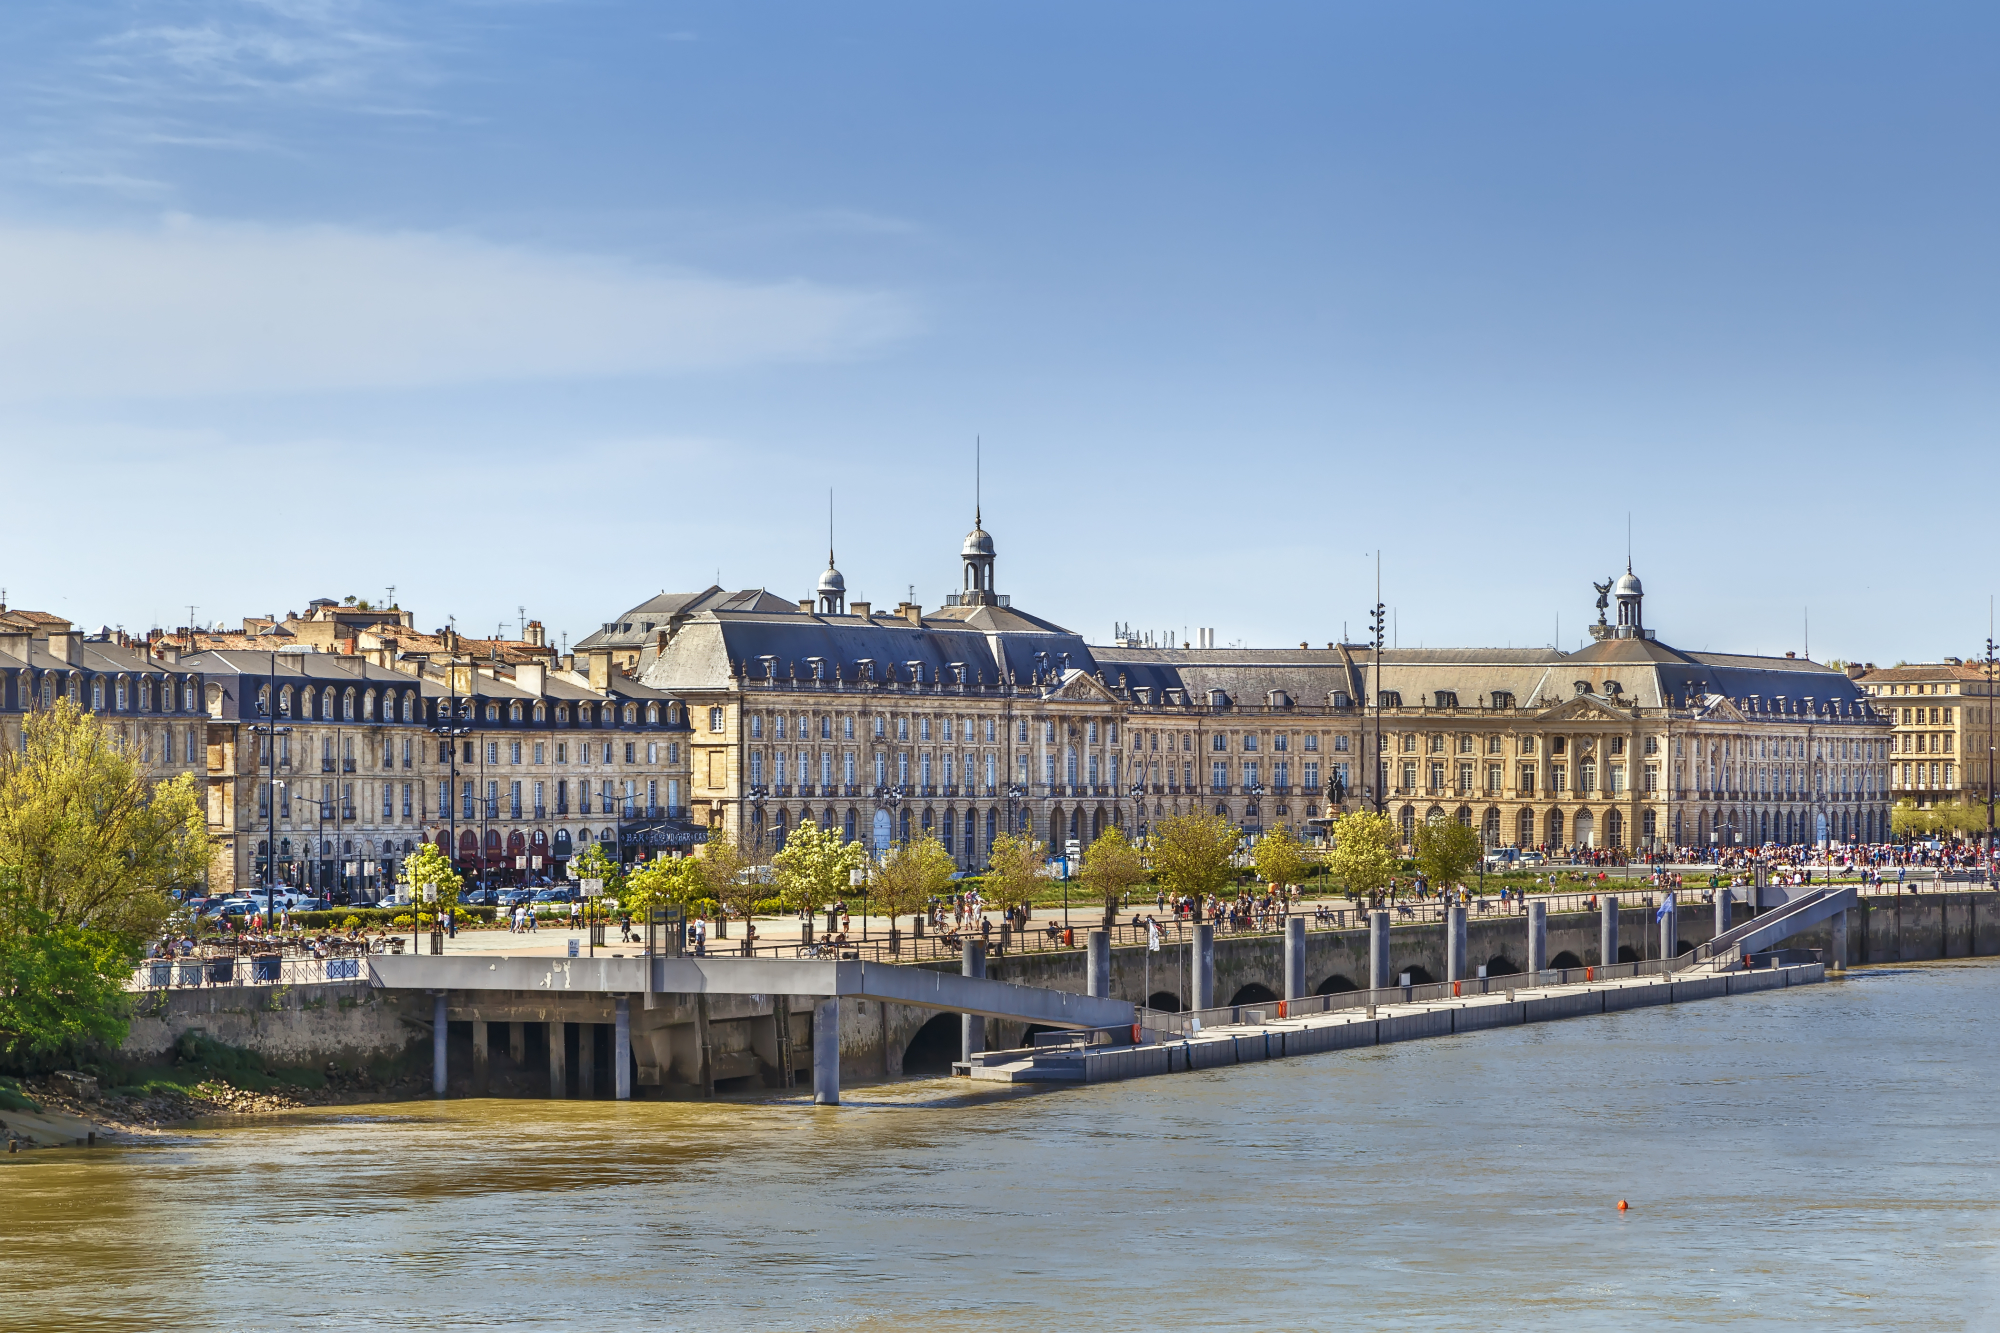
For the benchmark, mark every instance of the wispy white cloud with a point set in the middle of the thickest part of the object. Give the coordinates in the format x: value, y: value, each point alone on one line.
x: 195, y: 308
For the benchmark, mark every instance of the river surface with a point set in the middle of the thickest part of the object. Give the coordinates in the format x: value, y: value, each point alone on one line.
x: 1817, y: 1156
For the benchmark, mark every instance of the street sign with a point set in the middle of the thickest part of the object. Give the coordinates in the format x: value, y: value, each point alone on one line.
x: 535, y: 862
x: 520, y: 863
x: 1072, y: 848
x: 593, y: 888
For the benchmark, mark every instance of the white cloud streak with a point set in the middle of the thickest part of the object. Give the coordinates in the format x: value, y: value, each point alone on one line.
x: 196, y: 308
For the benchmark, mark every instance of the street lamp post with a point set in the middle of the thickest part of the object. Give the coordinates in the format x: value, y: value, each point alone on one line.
x: 453, y: 725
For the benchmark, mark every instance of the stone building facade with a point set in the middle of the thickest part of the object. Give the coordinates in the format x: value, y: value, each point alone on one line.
x: 1944, y: 730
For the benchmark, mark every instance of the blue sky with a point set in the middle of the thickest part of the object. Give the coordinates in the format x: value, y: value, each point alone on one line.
x: 560, y: 304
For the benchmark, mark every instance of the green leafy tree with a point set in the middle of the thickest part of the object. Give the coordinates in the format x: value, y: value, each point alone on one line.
x: 88, y: 838
x: 1192, y: 854
x: 429, y: 868
x: 719, y: 866
x: 594, y: 863
x: 1111, y: 866
x: 1014, y: 871
x: 663, y: 881
x: 911, y: 874
x: 1364, y: 852
x: 61, y: 984
x: 812, y: 868
x: 1446, y: 851
x: 1280, y: 858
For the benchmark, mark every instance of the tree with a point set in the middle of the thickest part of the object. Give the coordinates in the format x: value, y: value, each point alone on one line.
x: 429, y: 867
x: 813, y: 866
x: 1280, y: 858
x: 1446, y: 851
x: 663, y: 880
x: 1192, y: 854
x: 911, y: 874
x: 1014, y: 871
x: 1111, y: 866
x: 88, y: 838
x: 1364, y: 852
x: 61, y: 984
x: 1908, y: 820
x: 593, y: 862
x: 718, y: 866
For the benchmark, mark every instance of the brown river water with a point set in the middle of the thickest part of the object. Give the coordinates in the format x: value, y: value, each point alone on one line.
x: 1817, y: 1156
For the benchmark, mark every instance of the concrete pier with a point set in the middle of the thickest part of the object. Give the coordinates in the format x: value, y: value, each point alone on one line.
x: 1538, y: 935
x: 558, y: 1061
x: 1722, y: 904
x: 481, y: 1037
x: 1669, y: 928
x: 1378, y: 950
x: 1296, y: 985
x: 1607, y: 931
x: 1204, y: 967
x: 1836, y: 957
x: 826, y: 1052
x: 1454, y: 944
x: 586, y: 1060
x: 438, y: 1030
x: 517, y: 1044
x: 972, y: 1027
x: 621, y: 1049
x: 1097, y: 964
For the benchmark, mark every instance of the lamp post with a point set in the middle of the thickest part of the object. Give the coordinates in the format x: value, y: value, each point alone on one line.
x: 270, y: 730
x: 452, y: 725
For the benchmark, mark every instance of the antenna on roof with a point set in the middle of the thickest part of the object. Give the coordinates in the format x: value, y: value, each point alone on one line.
x: 975, y: 480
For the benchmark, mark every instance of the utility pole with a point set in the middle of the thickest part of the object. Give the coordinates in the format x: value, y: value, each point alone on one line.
x: 1378, y: 771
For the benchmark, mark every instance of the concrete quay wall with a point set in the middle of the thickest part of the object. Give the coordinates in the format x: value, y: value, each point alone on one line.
x: 349, y: 1022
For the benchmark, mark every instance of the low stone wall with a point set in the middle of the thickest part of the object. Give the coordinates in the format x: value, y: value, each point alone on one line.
x: 289, y: 1025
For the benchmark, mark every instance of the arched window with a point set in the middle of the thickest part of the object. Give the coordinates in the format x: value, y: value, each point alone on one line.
x: 368, y: 706
x: 347, y: 704
x: 493, y: 712
x: 285, y: 702
x: 409, y: 706
x: 97, y: 693
x: 264, y: 701
x: 652, y: 714
x: 1409, y: 822
x: 124, y: 698
x: 306, y: 702
x: 187, y: 694
x: 514, y: 712
x: 631, y: 714
x: 541, y: 712
x: 326, y: 704
x: 562, y: 715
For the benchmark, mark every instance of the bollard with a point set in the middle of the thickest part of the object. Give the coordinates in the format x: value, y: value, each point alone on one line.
x: 621, y: 1049
x: 1204, y: 967
x: 1097, y: 964
x: 438, y: 1032
x: 972, y: 1027
x: 1669, y: 933
x: 1378, y: 950
x: 1454, y: 945
x: 826, y: 1052
x: 1295, y: 958
x: 1722, y: 905
x: 1838, y: 958
x: 1538, y: 936
x: 1607, y: 930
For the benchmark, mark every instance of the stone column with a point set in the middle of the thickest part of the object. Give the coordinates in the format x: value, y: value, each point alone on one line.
x: 1378, y: 950
x: 1454, y: 943
x: 558, y: 1061
x: 1607, y: 929
x: 972, y: 1027
x: 1723, y: 903
x: 517, y: 1043
x: 1538, y: 936
x: 621, y: 1049
x: 826, y: 1052
x: 438, y: 1032
x: 1295, y: 958
x: 1670, y: 933
x: 586, y: 1060
x: 1204, y: 967
x: 480, y: 1055
x: 1097, y: 964
x: 1837, y: 959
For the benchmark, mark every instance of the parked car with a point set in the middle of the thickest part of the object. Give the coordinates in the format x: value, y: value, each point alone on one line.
x: 1533, y: 859
x: 480, y: 898
x: 566, y: 893
x: 511, y: 897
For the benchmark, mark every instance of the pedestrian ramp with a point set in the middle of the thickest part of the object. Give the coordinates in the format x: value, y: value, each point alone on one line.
x: 1760, y: 933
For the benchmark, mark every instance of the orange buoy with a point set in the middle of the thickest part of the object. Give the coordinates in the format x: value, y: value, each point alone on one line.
x: 1622, y: 1205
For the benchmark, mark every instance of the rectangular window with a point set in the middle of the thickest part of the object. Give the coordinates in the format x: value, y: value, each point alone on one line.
x: 630, y: 748
x: 989, y: 762
x: 757, y: 727
x: 924, y: 729
x: 541, y: 748
x: 1219, y: 775
x: 1493, y: 777
x: 1281, y: 773
x: 388, y: 802
x: 409, y: 800
x: 1617, y: 779
x: 1558, y: 777
x: 469, y: 797
x: 1312, y: 775
x: 493, y: 752
x: 1093, y: 733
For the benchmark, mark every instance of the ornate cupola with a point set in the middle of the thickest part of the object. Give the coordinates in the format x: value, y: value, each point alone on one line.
x: 977, y: 553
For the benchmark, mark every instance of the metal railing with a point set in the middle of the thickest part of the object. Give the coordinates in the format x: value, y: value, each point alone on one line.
x: 252, y: 969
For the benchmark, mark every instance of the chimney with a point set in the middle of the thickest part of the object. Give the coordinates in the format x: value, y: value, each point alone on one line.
x: 64, y: 647
x: 1791, y: 654
x: 1855, y: 670
x: 600, y: 668
x: 569, y: 662
x: 911, y: 612
x: 860, y: 609
x: 537, y: 636
x: 530, y: 676
x: 806, y: 605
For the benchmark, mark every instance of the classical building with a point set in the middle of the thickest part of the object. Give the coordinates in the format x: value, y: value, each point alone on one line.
x: 978, y: 716
x: 1944, y: 728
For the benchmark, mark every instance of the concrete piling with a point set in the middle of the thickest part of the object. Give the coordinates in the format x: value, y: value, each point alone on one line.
x: 1837, y: 956
x: 1538, y: 936
x: 558, y: 1061
x: 1295, y: 958
x: 972, y: 1027
x: 1204, y: 967
x: 586, y: 1060
x: 826, y: 1051
x: 1378, y: 951
x: 482, y: 1037
x: 1670, y: 930
x: 1722, y: 905
x: 517, y: 1044
x: 621, y: 1049
x: 1097, y: 964
x: 438, y: 1031
x: 1607, y: 930
x: 1454, y: 944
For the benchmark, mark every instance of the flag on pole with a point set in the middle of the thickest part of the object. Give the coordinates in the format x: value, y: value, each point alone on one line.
x: 1152, y: 937
x: 1666, y: 906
